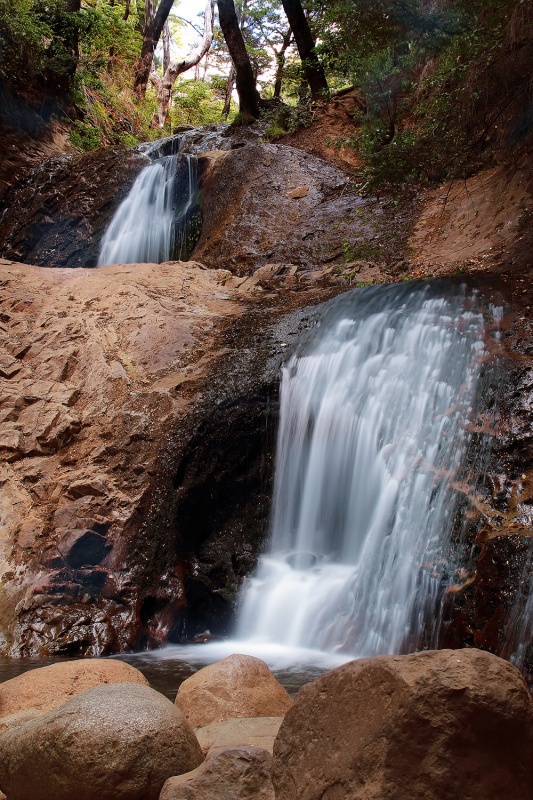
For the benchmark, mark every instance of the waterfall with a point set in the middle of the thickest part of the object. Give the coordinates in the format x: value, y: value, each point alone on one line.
x: 151, y: 224
x: 373, y: 433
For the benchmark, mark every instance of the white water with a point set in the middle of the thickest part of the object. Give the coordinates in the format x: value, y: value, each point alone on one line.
x: 373, y: 431
x: 375, y: 408
x: 150, y: 225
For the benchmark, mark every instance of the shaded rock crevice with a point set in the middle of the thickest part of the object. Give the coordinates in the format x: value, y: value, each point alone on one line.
x: 57, y: 212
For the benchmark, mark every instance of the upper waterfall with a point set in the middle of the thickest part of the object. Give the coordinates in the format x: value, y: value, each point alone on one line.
x: 373, y: 433
x: 151, y: 224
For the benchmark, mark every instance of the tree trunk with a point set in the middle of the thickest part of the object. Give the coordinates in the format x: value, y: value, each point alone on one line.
x: 280, y: 62
x: 151, y: 36
x: 62, y: 79
x: 229, y: 92
x: 246, y: 88
x: 166, y: 47
x: 176, y: 68
x: 306, y: 48
x: 141, y: 16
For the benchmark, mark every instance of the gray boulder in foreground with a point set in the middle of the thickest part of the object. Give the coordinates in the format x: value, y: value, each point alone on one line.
x: 437, y: 725
x: 115, y: 742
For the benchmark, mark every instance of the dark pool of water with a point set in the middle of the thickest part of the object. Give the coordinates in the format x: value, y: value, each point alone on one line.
x: 164, y: 675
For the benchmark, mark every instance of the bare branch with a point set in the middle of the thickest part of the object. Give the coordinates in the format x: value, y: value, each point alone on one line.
x: 176, y: 68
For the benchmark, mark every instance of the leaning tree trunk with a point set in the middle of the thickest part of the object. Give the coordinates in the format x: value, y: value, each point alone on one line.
x: 229, y: 92
x: 306, y: 48
x: 166, y: 46
x: 280, y: 62
x: 67, y: 42
x: 175, y: 68
x: 245, y: 79
x: 151, y: 36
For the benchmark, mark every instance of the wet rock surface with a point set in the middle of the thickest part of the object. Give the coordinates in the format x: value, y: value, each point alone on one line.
x: 438, y: 724
x: 275, y: 204
x: 115, y: 742
x: 56, y: 213
x: 489, y: 606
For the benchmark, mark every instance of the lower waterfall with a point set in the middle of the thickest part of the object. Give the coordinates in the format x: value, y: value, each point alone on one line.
x: 374, y: 456
x: 373, y: 433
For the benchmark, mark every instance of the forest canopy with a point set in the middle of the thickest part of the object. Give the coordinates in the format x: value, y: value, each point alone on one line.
x: 445, y: 83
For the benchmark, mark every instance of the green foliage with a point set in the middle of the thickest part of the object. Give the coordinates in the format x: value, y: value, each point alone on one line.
x: 81, y: 62
x: 84, y: 136
x: 196, y: 103
x: 273, y: 132
x: 36, y: 45
x: 105, y: 36
x: 436, y: 79
x: 284, y: 119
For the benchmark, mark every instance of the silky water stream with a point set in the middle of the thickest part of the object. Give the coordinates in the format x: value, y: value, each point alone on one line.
x: 367, y: 521
x: 376, y: 410
x: 151, y: 225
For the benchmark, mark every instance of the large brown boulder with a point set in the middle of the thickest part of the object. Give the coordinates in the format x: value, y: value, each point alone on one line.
x: 116, y: 742
x: 241, y: 773
x: 430, y: 726
x: 237, y: 686
x: 45, y: 688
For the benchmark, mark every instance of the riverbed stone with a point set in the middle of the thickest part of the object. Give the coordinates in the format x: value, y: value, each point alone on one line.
x: 239, y: 732
x: 240, y: 773
x: 116, y: 742
x: 237, y: 686
x: 45, y: 688
x: 430, y: 726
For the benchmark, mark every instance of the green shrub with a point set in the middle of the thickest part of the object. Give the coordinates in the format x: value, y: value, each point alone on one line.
x: 85, y: 137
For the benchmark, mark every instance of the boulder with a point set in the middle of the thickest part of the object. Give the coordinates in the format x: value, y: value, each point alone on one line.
x: 237, y: 686
x: 45, y: 688
x: 239, y: 732
x: 430, y: 726
x: 115, y: 742
x: 241, y: 773
x: 11, y: 721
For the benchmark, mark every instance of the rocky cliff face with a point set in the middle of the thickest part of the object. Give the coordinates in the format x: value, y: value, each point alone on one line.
x: 97, y: 368
x: 55, y: 214
x: 138, y: 403
x: 138, y: 409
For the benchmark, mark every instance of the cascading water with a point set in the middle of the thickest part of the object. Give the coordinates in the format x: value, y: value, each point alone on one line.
x: 373, y: 432
x: 151, y: 224
x: 367, y: 524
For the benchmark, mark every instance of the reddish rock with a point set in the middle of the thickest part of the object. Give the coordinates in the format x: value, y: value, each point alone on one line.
x: 241, y: 773
x: 85, y: 418
x: 46, y: 688
x: 239, y: 732
x: 431, y: 726
x: 237, y: 686
x: 245, y: 228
